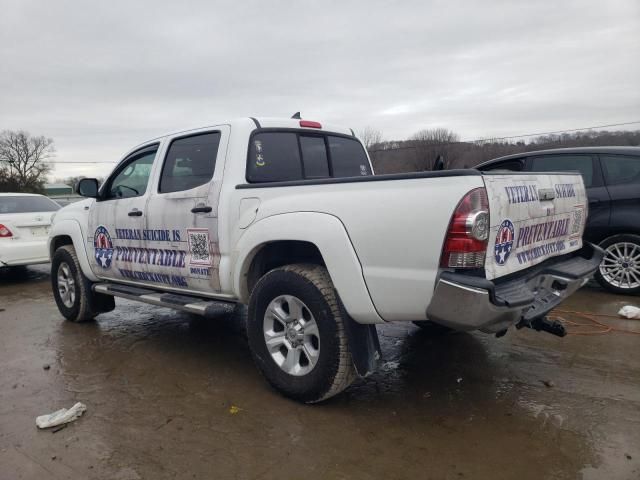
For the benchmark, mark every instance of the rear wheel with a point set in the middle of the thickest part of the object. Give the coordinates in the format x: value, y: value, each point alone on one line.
x: 619, y: 271
x: 296, y: 333
x: 72, y: 290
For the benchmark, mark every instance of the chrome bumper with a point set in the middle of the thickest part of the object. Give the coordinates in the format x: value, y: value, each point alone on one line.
x: 463, y: 302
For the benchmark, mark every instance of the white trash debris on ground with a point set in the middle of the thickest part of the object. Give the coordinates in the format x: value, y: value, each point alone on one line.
x: 629, y: 312
x: 61, y: 416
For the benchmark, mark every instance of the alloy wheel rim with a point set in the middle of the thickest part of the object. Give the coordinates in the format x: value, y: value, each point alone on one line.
x: 620, y: 266
x: 291, y: 335
x: 66, y: 285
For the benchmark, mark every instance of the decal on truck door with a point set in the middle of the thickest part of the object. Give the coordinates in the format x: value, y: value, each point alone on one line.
x: 199, y: 247
x: 197, y: 258
x: 103, y: 247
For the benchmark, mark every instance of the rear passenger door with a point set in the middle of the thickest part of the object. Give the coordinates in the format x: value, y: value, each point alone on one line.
x: 589, y: 167
x: 182, y: 220
x: 622, y: 177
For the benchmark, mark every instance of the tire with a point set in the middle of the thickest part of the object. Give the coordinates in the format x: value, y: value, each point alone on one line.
x: 81, y: 304
x: 291, y: 289
x: 433, y: 328
x: 619, y: 271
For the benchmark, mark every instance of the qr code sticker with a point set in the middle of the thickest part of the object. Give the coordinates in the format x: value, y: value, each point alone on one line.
x: 199, y: 247
x: 578, y: 219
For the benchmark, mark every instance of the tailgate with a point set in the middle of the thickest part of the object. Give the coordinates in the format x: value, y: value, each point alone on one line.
x: 534, y: 216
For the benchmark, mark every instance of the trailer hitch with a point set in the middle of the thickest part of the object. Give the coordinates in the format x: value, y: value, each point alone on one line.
x: 545, y: 325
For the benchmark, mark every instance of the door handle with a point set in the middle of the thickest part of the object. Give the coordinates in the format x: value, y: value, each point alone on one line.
x: 135, y: 213
x: 201, y: 209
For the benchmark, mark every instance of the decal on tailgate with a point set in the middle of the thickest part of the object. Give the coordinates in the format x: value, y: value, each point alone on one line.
x: 533, y: 217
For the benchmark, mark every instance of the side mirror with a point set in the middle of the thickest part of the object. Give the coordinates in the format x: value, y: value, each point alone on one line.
x: 88, y: 187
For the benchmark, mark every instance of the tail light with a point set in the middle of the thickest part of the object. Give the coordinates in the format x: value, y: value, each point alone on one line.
x: 310, y: 124
x: 465, y: 245
x: 5, y: 232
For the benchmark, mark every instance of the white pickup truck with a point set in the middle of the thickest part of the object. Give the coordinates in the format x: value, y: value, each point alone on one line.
x: 286, y: 216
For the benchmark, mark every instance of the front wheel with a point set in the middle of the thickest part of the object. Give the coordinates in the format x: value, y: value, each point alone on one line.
x: 72, y: 290
x: 619, y: 271
x: 297, y: 335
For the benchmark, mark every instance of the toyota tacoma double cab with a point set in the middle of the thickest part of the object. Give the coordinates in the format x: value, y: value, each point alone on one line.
x: 286, y: 216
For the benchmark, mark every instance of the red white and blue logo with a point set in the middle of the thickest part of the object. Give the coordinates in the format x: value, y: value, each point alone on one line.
x: 103, y: 247
x: 504, y: 242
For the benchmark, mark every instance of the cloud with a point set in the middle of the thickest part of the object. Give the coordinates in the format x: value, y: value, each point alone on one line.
x: 102, y: 77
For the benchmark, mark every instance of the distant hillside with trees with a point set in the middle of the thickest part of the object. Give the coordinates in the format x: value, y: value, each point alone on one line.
x: 421, y: 150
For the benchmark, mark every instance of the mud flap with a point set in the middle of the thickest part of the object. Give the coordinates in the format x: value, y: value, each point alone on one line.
x: 364, y: 346
x: 101, y: 303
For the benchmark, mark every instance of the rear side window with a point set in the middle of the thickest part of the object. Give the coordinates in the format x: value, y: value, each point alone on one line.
x: 286, y: 156
x: 274, y: 157
x: 619, y: 169
x: 563, y: 163
x: 190, y: 162
x: 26, y: 204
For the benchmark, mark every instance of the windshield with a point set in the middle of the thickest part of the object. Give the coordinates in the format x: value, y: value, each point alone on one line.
x: 26, y: 204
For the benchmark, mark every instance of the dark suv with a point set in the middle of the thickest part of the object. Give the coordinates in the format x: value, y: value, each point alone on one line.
x: 612, y: 178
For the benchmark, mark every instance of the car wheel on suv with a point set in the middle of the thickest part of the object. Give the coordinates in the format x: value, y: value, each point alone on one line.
x: 619, y: 271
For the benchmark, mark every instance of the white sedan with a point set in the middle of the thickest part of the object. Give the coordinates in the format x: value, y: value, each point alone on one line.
x: 25, y: 220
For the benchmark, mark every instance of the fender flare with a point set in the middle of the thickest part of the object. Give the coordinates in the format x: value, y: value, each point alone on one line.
x: 71, y: 228
x: 329, y: 235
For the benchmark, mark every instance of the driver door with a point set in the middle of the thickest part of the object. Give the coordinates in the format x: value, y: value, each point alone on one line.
x: 117, y: 219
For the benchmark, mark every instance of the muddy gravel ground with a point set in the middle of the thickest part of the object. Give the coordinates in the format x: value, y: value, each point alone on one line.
x: 170, y: 395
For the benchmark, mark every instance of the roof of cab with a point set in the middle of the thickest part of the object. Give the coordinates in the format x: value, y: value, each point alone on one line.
x: 278, y: 122
x: 255, y: 122
x: 609, y: 150
x: 266, y: 122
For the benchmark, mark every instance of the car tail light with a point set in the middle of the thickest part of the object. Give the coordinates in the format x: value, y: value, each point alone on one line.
x: 310, y: 124
x: 465, y: 245
x: 5, y: 232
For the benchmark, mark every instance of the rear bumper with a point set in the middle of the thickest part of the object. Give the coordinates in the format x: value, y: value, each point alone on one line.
x: 20, y: 252
x: 463, y: 302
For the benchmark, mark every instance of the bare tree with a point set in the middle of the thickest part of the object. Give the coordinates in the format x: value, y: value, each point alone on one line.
x: 24, y: 160
x: 370, y: 137
x: 435, y: 136
x: 431, y: 144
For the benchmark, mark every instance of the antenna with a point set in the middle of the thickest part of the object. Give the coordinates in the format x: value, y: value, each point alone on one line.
x: 296, y: 115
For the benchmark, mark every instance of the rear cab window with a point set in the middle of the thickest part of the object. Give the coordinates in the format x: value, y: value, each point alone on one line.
x: 278, y: 156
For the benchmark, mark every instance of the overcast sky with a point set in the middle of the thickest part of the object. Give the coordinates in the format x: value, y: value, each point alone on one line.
x: 100, y: 77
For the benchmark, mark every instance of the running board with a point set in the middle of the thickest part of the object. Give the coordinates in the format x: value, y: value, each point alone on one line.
x: 187, y: 303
